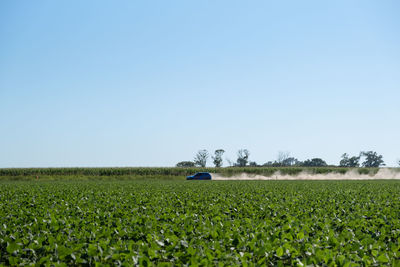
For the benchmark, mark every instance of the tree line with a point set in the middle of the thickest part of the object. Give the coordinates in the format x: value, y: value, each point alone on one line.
x: 371, y: 159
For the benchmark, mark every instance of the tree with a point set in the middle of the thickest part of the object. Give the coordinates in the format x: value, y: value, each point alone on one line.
x: 349, y: 162
x: 217, y: 158
x: 253, y: 164
x: 243, y: 157
x: 398, y: 162
x: 185, y: 164
x: 201, y: 157
x: 269, y: 164
x: 315, y: 162
x: 283, y: 160
x: 291, y: 161
x: 372, y: 159
x: 282, y: 157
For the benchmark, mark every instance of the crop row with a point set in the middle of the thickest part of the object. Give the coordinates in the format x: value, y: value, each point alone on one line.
x: 138, y: 171
x: 283, y: 223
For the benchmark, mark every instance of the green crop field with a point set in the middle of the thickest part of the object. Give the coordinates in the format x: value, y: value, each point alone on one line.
x: 137, y: 173
x: 200, y: 223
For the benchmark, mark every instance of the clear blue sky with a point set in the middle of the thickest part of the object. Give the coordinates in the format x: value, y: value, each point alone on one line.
x: 149, y: 83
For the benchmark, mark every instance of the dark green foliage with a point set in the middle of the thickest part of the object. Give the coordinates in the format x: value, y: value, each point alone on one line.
x: 217, y: 158
x: 291, y: 161
x: 351, y: 162
x: 243, y: 157
x: 315, y: 162
x: 272, y: 223
x: 284, y: 160
x: 185, y: 164
x: 200, y: 160
x: 372, y: 159
x: 287, y: 162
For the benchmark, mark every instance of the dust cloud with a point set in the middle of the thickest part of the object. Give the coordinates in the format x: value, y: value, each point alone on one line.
x: 384, y: 173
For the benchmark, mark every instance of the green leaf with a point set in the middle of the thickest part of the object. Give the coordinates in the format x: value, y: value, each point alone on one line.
x: 92, y: 250
x: 191, y: 251
x: 300, y: 235
x: 383, y: 258
x: 279, y: 252
x: 341, y: 259
x: 63, y: 251
x: 12, y: 247
x: 13, y: 261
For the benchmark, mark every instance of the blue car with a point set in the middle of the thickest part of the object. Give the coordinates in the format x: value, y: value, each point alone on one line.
x: 200, y: 176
